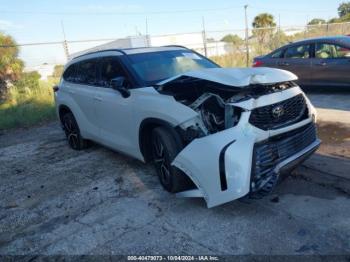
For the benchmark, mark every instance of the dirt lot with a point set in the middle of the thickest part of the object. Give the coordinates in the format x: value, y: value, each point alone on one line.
x: 55, y: 200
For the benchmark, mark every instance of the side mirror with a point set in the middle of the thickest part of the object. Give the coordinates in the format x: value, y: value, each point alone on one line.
x: 118, y: 84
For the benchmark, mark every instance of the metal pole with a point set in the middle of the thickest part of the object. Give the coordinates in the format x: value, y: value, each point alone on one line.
x: 246, y: 36
x: 204, y: 35
x: 147, y: 36
x: 279, y: 30
x: 65, y: 44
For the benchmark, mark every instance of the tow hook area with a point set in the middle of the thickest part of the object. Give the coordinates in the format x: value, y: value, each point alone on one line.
x: 264, y: 186
x: 278, y: 156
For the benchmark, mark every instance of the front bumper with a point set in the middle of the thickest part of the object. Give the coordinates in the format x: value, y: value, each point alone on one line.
x: 223, y: 165
x: 225, y: 169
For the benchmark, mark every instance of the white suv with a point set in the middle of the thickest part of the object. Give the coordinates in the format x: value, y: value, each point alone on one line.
x: 217, y: 133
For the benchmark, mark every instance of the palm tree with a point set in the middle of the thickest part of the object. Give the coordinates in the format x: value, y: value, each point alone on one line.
x: 264, y: 20
x: 263, y: 25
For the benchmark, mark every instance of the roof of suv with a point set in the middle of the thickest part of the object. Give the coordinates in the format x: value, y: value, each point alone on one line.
x: 338, y: 38
x: 137, y: 50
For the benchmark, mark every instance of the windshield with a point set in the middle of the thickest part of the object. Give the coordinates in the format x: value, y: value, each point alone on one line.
x: 157, y: 66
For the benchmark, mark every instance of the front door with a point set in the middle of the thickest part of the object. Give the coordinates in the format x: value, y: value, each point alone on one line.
x: 296, y: 59
x: 113, y: 111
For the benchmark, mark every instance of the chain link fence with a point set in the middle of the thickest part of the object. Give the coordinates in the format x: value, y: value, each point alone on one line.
x: 228, y: 47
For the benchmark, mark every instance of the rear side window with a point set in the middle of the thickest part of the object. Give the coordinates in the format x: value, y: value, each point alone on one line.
x: 298, y: 51
x: 277, y: 54
x: 110, y: 68
x: 86, y: 72
x: 69, y: 74
x: 325, y: 51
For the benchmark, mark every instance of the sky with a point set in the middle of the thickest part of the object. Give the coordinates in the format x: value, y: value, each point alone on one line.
x: 41, y: 21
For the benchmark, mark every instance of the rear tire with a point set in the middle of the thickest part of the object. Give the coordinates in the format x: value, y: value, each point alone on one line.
x: 72, y: 131
x: 165, y: 149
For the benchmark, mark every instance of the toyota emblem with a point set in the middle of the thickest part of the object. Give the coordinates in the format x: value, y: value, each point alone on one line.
x: 277, y: 111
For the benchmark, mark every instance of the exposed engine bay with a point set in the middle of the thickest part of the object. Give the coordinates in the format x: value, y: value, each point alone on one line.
x: 214, y: 102
x: 245, y: 127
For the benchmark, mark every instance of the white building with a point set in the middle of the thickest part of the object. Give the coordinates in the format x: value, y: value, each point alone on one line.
x: 128, y: 42
x: 45, y: 70
x: 193, y: 41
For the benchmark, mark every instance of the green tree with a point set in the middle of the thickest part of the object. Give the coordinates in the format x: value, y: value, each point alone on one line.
x: 10, y: 65
x: 333, y: 20
x: 343, y: 19
x: 57, y: 71
x: 317, y: 21
x: 28, y: 80
x: 234, y: 39
x: 344, y: 9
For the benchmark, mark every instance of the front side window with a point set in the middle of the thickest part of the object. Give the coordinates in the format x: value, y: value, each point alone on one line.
x: 110, y: 68
x: 298, y: 51
x: 86, y: 72
x: 326, y: 51
x: 154, y: 67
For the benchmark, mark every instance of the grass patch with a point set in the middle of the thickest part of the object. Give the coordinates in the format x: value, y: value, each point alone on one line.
x: 26, y: 107
x: 237, y: 59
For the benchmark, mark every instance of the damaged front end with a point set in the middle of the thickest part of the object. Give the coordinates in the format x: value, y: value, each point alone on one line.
x: 251, y: 125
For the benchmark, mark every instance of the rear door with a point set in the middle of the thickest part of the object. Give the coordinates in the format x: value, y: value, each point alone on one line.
x: 331, y: 65
x: 80, y: 85
x: 273, y: 59
x: 296, y: 59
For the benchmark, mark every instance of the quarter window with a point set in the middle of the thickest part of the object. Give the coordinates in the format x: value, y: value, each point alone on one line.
x: 277, y: 54
x: 69, y: 74
x: 325, y: 51
x: 299, y: 51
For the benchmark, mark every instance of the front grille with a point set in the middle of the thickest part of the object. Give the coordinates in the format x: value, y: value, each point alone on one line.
x: 293, y: 110
x: 269, y: 153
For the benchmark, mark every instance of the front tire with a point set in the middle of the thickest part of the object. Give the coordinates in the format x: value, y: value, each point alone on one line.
x: 165, y: 149
x: 72, y: 131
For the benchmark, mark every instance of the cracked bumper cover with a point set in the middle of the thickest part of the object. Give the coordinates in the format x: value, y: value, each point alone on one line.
x: 221, y: 164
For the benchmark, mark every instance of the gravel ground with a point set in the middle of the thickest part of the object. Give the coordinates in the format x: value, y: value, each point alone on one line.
x: 54, y: 200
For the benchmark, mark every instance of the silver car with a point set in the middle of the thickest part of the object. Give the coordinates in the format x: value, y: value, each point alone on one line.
x: 317, y: 62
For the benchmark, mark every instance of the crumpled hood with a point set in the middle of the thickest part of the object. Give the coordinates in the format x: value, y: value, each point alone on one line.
x: 239, y: 77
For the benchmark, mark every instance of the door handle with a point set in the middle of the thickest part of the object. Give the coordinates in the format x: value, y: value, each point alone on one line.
x: 322, y: 64
x: 97, y: 98
x: 284, y: 64
x: 71, y: 91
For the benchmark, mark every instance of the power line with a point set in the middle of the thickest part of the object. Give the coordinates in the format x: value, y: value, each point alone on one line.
x: 164, y: 35
x: 60, y: 42
x: 117, y: 13
x: 290, y: 10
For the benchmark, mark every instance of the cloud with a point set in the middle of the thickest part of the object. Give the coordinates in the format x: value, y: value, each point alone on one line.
x: 7, y: 25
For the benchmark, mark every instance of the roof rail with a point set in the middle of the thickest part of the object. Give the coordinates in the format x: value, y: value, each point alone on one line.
x: 176, y: 46
x: 121, y: 50
x: 99, y: 51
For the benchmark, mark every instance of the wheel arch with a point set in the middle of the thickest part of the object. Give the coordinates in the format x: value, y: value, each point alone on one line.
x: 62, y: 110
x: 145, y: 132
